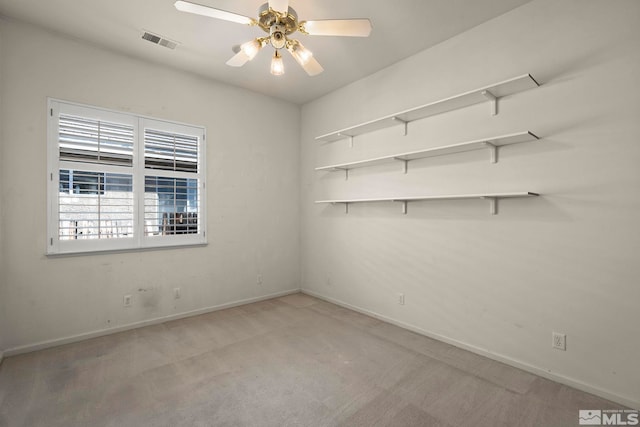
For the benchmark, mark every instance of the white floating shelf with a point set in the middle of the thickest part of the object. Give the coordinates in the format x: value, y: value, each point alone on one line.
x: 489, y: 143
x: 491, y: 93
x: 492, y: 197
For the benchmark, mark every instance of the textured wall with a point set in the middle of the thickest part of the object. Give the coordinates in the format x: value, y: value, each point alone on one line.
x: 567, y: 261
x: 3, y: 309
x: 252, y: 193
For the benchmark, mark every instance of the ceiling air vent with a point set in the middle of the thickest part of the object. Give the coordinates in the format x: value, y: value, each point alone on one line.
x: 157, y: 39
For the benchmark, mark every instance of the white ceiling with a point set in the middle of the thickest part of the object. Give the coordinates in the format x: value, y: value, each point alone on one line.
x: 401, y: 28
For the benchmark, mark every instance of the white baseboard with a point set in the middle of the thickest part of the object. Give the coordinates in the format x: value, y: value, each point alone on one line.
x: 553, y: 376
x: 94, y: 334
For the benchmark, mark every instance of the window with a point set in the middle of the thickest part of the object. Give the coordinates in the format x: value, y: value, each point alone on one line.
x: 119, y: 181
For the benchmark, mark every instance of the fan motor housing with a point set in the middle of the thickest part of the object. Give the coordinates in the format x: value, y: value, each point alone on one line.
x: 277, y: 36
x: 267, y: 18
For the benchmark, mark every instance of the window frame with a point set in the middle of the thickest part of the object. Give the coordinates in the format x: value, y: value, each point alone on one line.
x: 138, y: 172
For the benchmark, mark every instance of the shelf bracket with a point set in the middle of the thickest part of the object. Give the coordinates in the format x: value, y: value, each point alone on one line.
x: 347, y: 136
x: 405, y: 164
x: 346, y: 172
x: 346, y: 206
x: 404, y: 122
x: 493, y: 150
x: 494, y: 101
x: 493, y: 205
x: 403, y: 206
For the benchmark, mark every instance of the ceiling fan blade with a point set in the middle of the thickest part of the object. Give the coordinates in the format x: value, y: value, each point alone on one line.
x: 198, y: 9
x: 238, y: 60
x: 337, y: 27
x: 279, y: 5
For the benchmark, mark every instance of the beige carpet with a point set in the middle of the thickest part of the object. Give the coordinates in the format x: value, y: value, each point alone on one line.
x: 290, y: 361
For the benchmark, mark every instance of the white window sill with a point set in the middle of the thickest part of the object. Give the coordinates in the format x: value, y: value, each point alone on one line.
x: 118, y: 251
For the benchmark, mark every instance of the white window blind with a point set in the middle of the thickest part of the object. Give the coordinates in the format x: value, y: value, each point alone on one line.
x: 120, y: 181
x: 88, y: 140
x: 170, y: 205
x: 170, y: 151
x: 95, y: 205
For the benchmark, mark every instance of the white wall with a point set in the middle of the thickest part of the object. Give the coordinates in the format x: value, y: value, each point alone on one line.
x: 252, y: 190
x: 2, y: 240
x: 566, y: 261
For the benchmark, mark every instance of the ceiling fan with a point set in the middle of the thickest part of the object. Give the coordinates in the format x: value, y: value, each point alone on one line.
x: 279, y: 21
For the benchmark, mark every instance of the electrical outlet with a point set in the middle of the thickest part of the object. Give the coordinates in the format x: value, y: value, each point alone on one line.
x: 401, y: 299
x: 259, y: 279
x: 127, y: 300
x: 559, y: 341
x: 176, y: 293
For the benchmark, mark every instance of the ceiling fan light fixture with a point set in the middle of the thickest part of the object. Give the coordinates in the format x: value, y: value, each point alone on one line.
x: 301, y: 53
x: 280, y: 21
x: 277, y: 66
x: 251, y: 48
